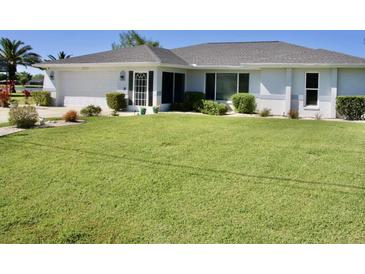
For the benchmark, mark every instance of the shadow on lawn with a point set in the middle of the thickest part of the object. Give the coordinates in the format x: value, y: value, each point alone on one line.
x: 217, y: 172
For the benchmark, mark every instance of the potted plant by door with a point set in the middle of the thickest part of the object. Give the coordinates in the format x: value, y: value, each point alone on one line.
x: 156, y: 109
x: 142, y: 111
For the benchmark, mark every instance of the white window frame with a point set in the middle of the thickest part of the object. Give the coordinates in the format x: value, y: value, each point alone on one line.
x: 306, y: 89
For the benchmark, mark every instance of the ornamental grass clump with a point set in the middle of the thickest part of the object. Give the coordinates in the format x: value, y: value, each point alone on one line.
x: 23, y: 117
x: 42, y: 98
x: 293, y: 114
x: 265, y: 112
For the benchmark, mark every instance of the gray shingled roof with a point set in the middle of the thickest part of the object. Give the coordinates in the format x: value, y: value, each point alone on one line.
x: 137, y: 54
x: 234, y: 54
x: 219, y: 54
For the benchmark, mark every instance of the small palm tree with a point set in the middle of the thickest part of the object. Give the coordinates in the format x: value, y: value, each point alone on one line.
x: 61, y: 55
x: 14, y: 53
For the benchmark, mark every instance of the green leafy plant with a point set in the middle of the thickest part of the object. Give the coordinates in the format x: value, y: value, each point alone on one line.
x: 142, y: 111
x: 70, y: 116
x: 244, y: 102
x: 293, y: 114
x: 156, y: 109
x: 91, y: 110
x: 265, y: 112
x: 116, y: 100
x: 23, y: 117
x: 213, y: 108
x: 351, y: 107
x: 42, y: 98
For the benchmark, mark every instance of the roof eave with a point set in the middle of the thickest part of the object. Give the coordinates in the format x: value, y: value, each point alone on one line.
x: 280, y: 65
x: 304, y: 65
x: 112, y: 64
x: 199, y: 67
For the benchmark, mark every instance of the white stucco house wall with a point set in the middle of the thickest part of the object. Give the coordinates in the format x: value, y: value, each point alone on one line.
x: 282, y: 76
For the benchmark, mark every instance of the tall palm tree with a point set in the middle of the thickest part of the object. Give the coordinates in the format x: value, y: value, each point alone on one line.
x: 13, y: 53
x: 131, y: 39
x: 61, y: 55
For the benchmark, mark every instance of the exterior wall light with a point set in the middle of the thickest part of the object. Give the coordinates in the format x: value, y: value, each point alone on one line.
x: 51, y: 75
x: 122, y: 76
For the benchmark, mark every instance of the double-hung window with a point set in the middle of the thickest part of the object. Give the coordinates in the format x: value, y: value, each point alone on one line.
x: 311, y: 89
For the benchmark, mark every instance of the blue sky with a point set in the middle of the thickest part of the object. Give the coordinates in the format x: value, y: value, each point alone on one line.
x: 84, y: 42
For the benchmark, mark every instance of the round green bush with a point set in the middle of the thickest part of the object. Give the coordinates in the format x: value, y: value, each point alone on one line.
x: 244, y: 102
x: 23, y: 117
x: 116, y: 100
x: 213, y: 108
x: 351, y: 107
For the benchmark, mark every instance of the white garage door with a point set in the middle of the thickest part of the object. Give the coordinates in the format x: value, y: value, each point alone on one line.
x: 81, y: 88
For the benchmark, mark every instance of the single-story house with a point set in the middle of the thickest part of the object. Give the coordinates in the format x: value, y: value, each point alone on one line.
x: 282, y: 76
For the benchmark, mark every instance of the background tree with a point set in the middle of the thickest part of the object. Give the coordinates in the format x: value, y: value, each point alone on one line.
x: 38, y: 77
x: 14, y: 53
x: 131, y: 39
x: 3, y: 76
x: 61, y: 55
x: 23, y: 77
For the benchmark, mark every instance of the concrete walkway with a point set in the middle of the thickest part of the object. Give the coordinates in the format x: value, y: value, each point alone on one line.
x: 9, y: 130
x: 55, y: 112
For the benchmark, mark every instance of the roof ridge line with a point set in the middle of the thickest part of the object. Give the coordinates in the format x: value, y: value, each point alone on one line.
x: 153, y: 53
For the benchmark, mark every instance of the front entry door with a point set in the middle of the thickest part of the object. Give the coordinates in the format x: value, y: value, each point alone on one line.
x: 140, y: 88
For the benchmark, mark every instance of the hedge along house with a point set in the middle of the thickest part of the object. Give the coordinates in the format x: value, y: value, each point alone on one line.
x: 282, y: 76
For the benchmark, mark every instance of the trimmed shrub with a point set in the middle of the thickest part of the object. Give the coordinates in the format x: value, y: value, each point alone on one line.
x: 116, y: 100
x: 91, y: 110
x: 213, y: 108
x: 192, y: 102
x: 42, y: 98
x: 351, y: 107
x: 23, y: 117
x: 244, y: 102
x: 178, y: 107
x: 293, y: 114
x: 265, y: 112
x: 70, y: 116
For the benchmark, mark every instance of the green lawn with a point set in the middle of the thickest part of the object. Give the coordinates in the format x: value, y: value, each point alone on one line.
x: 184, y: 179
